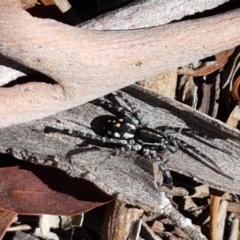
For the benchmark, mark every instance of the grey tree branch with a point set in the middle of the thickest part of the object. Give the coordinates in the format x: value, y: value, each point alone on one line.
x: 148, y: 13
x: 79, y: 59
x: 178, y: 219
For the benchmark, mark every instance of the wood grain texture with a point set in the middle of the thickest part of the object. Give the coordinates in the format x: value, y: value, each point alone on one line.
x: 129, y: 176
x: 149, y: 13
x: 87, y: 64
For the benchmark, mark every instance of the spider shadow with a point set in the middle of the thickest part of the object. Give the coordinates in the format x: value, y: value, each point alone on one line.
x: 199, y: 137
x: 96, y: 125
x: 82, y: 149
x: 211, y: 131
x: 212, y: 165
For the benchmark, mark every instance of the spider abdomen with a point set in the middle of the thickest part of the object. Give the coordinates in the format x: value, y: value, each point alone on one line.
x: 120, y: 128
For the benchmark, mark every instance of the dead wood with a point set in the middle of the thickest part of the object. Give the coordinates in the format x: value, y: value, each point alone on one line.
x: 79, y: 59
x: 148, y: 13
x: 129, y: 176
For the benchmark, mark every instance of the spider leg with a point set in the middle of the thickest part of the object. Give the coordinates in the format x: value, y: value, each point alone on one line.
x: 117, y: 109
x: 173, y: 146
x: 136, y: 113
x: 88, y: 136
x: 189, y: 132
x: 170, y: 130
x: 185, y: 146
x: 132, y: 145
x: 165, y: 171
x: 152, y: 154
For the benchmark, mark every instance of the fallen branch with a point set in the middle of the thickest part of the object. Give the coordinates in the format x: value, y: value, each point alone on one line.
x: 79, y: 60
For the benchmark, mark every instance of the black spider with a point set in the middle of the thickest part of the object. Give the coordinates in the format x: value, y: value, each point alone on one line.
x: 128, y: 131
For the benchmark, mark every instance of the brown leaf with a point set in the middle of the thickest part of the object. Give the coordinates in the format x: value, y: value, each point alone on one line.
x: 236, y: 90
x: 221, y: 60
x: 47, y: 2
x: 36, y: 190
x: 6, y: 219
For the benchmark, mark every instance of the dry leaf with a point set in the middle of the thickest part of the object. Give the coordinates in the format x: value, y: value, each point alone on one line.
x: 208, y: 68
x: 6, y: 219
x: 236, y: 90
x: 36, y: 190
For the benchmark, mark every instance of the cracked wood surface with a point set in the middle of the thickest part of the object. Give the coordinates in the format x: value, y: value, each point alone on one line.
x: 128, y: 176
x: 79, y: 59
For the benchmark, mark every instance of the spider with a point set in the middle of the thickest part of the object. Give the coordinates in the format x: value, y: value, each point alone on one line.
x: 127, y: 130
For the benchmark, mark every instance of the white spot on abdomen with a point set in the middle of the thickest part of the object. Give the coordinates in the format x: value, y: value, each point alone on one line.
x: 128, y: 135
x: 116, y: 135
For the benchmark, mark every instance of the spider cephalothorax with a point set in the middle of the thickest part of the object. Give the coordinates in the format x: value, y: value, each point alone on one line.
x: 127, y: 130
